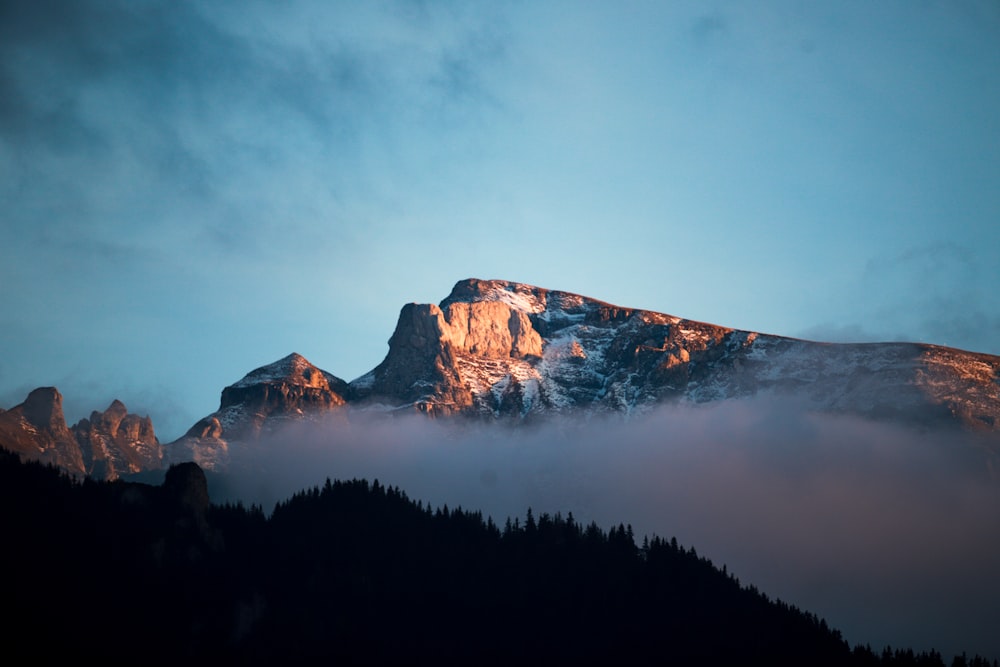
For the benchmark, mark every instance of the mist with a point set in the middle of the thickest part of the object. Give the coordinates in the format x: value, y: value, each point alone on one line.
x: 889, y: 534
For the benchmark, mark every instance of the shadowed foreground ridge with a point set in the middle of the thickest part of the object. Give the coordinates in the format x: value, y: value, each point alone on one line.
x: 357, y: 573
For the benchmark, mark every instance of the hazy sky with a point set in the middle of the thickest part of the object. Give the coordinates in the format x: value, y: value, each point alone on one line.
x: 189, y: 190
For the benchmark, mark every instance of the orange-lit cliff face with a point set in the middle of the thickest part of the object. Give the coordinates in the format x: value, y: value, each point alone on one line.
x: 115, y: 442
x: 499, y: 350
x: 107, y: 445
x: 36, y: 429
x: 290, y: 389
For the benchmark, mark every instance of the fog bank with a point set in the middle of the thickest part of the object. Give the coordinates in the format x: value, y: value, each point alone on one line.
x: 888, y: 534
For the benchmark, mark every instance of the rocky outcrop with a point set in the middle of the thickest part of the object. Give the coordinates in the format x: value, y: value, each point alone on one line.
x: 265, y: 399
x: 106, y: 446
x: 290, y: 386
x: 115, y: 443
x: 423, y: 367
x: 36, y: 429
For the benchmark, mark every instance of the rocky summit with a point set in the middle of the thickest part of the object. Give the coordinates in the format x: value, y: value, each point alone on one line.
x: 115, y: 442
x: 290, y: 389
x: 495, y: 350
x: 106, y: 446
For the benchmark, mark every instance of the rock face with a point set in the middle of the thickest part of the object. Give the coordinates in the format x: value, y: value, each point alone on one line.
x: 36, y: 429
x: 290, y: 389
x: 114, y: 443
x: 106, y: 446
x: 498, y: 349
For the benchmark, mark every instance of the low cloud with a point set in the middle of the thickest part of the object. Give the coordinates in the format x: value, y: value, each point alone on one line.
x: 833, y: 332
x: 886, y: 533
x: 939, y: 293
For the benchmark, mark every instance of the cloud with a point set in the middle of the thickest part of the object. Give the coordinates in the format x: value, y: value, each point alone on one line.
x: 223, y: 111
x: 838, y: 332
x: 938, y: 293
x: 179, y: 167
x: 883, y: 531
x: 942, y: 291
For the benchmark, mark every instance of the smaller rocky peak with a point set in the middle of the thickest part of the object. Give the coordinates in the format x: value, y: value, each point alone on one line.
x: 37, y: 429
x: 43, y: 409
x: 109, y: 420
x: 289, y: 387
x: 117, y: 409
x: 291, y: 370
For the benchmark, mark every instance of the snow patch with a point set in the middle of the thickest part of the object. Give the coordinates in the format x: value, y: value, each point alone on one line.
x: 518, y: 299
x: 365, y: 381
x: 282, y: 370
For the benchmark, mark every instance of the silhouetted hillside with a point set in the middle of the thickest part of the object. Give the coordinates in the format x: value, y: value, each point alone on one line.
x: 357, y: 573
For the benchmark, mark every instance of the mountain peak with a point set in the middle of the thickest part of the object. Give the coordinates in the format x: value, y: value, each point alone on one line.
x: 293, y: 369
x: 117, y: 409
x: 37, y: 429
x: 289, y: 388
x: 43, y: 408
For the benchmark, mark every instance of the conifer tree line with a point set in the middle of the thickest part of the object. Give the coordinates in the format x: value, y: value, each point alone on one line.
x: 356, y: 572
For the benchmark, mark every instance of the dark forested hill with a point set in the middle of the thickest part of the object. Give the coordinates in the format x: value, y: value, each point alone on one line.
x: 357, y: 573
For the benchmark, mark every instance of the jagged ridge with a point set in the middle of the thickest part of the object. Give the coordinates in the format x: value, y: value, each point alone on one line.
x: 106, y: 446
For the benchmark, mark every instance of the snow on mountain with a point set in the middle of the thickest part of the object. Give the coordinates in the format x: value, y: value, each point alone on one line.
x: 500, y: 350
x: 495, y: 348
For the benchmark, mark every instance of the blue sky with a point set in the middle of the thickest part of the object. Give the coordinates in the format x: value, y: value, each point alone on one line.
x: 191, y: 190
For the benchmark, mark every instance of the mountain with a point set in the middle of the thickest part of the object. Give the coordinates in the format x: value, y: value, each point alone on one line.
x: 500, y: 350
x: 106, y: 446
x: 115, y: 442
x: 495, y: 348
x: 36, y: 429
x: 290, y: 389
